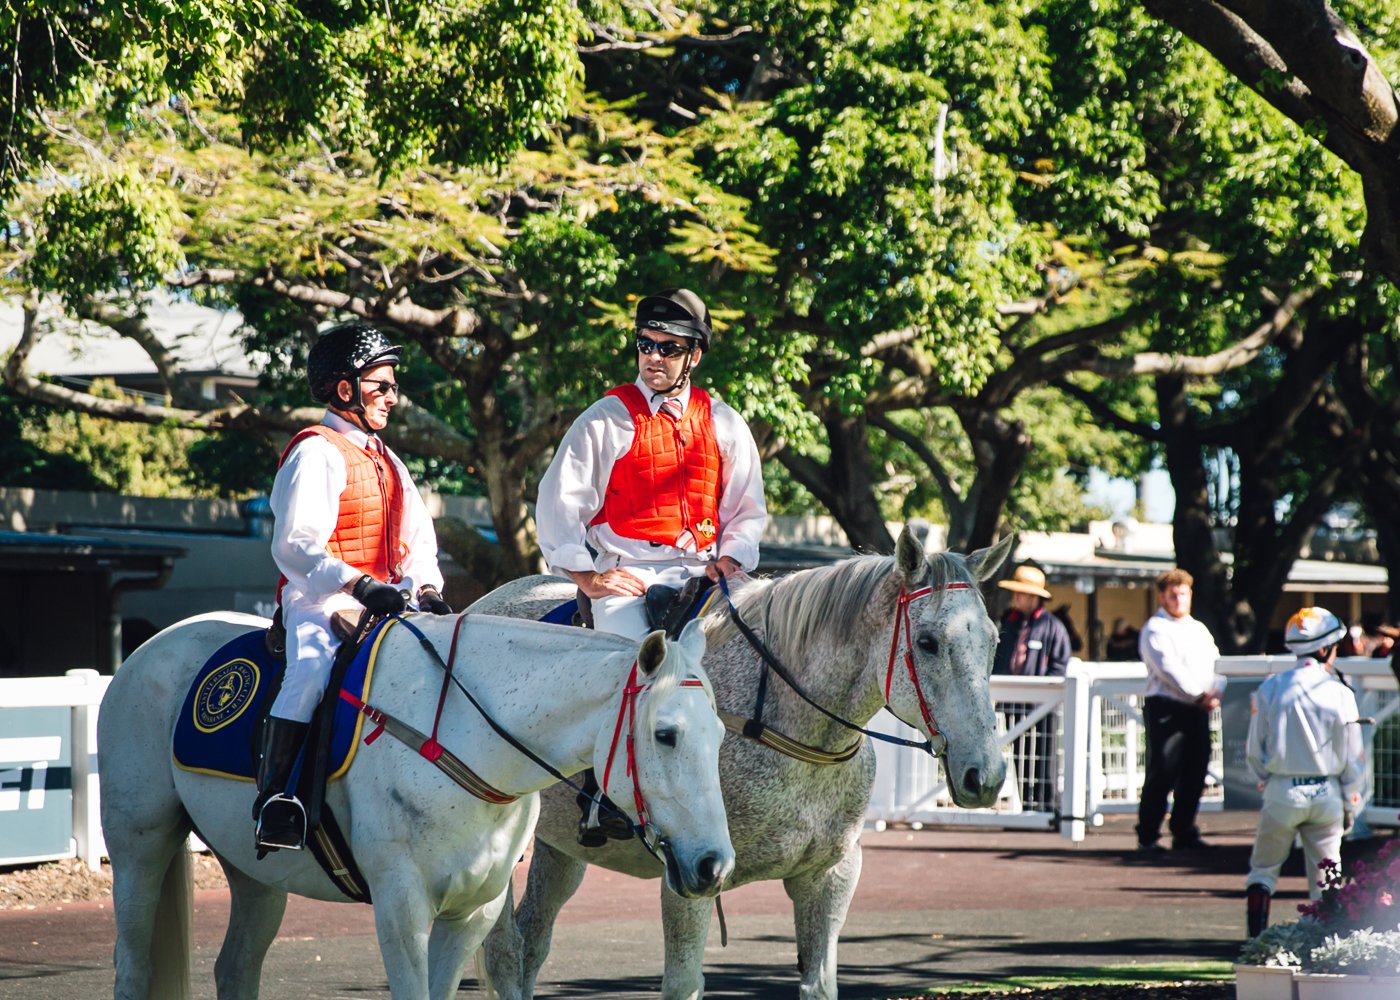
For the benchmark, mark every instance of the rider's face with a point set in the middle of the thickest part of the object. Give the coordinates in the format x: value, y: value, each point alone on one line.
x: 378, y: 402
x: 661, y: 373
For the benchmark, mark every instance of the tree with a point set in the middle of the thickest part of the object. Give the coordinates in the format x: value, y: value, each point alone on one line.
x: 1303, y: 59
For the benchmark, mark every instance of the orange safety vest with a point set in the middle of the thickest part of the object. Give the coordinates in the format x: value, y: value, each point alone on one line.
x: 368, y: 528
x: 669, y: 482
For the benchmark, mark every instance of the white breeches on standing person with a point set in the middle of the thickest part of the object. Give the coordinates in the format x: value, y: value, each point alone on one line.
x: 623, y: 615
x: 1309, y: 807
x: 311, y: 650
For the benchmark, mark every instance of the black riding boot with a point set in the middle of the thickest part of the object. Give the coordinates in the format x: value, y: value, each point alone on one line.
x: 600, y: 820
x: 281, y: 818
x: 1257, y: 909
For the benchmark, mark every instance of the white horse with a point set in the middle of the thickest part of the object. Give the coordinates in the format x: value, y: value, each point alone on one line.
x: 436, y: 859
x: 909, y: 633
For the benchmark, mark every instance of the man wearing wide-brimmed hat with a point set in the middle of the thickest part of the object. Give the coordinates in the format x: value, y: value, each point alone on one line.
x: 1035, y: 643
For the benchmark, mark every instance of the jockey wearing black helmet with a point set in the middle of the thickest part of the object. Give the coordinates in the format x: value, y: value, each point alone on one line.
x: 658, y: 478
x: 351, y: 532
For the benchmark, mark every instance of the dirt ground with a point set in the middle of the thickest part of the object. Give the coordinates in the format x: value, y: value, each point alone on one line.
x: 69, y: 881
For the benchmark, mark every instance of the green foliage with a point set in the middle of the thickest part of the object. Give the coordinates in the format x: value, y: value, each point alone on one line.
x: 118, y: 457
x: 107, y: 233
x: 25, y: 462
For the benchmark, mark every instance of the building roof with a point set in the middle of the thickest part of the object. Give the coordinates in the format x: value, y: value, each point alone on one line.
x: 34, y: 551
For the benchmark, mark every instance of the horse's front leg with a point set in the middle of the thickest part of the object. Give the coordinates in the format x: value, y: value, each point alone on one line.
x: 255, y: 914
x: 554, y: 877
x: 686, y: 923
x: 819, y: 904
x: 401, y: 921
x: 451, y: 943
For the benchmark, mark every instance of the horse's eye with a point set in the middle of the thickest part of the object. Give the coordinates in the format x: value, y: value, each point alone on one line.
x: 666, y: 737
x: 928, y: 644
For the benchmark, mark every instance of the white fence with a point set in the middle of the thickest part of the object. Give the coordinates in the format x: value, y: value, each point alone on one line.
x: 1074, y: 746
x: 1075, y: 749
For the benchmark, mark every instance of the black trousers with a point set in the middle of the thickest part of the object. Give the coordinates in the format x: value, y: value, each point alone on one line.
x: 1178, y: 755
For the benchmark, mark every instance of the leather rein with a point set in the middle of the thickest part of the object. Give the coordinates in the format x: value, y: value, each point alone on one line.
x: 434, y: 752
x: 753, y: 727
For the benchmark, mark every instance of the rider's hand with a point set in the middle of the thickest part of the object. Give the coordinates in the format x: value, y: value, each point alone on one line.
x: 617, y: 581
x: 725, y: 566
x: 383, y: 599
x: 431, y: 601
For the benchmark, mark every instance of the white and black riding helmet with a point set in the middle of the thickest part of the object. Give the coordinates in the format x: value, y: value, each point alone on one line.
x: 343, y: 352
x: 1311, y: 630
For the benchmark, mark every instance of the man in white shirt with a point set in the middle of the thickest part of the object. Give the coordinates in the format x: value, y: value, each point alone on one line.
x: 1182, y: 690
x: 1305, y: 748
x: 351, y: 531
x: 663, y: 481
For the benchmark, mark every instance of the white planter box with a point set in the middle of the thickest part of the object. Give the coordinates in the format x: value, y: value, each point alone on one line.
x: 1264, y: 982
x: 1330, y: 986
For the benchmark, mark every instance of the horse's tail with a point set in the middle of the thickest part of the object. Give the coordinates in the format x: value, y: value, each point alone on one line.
x: 483, y: 976
x: 172, y: 937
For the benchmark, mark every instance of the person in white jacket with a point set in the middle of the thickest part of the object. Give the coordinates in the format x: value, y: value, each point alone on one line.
x: 351, y: 532
x: 1183, y: 688
x: 1305, y: 748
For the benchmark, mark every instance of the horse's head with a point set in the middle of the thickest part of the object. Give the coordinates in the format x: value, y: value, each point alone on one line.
x: 674, y: 749
x: 942, y: 663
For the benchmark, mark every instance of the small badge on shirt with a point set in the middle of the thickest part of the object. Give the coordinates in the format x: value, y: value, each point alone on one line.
x: 706, y: 529
x: 1035, y: 644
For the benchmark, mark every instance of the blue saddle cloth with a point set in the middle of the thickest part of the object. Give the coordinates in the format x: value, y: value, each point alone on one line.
x: 217, y: 728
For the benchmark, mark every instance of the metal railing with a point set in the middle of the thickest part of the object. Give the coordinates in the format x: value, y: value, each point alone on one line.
x: 1075, y: 749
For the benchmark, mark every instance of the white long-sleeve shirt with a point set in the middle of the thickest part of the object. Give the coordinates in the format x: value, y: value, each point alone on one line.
x: 1303, y: 724
x: 573, y: 488
x: 306, y: 502
x: 1180, y: 655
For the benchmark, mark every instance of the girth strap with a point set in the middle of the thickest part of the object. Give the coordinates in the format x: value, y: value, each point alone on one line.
x: 760, y: 733
x: 430, y: 750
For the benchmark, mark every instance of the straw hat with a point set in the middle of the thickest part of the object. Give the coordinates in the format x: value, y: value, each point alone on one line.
x: 1026, y: 580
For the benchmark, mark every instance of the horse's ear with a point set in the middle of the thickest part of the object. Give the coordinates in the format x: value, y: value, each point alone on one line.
x: 693, y: 640
x: 652, y: 653
x: 909, y: 557
x: 984, y: 563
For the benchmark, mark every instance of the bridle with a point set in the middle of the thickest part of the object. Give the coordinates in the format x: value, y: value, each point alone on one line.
x: 646, y: 831
x: 902, y: 615
x: 428, y: 747
x: 753, y: 727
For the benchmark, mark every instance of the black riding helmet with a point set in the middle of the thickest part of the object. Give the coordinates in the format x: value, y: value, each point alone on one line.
x: 677, y: 311
x: 342, y: 353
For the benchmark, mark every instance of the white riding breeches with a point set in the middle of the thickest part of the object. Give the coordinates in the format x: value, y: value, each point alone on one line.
x: 1309, y: 807
x: 623, y: 615
x: 310, y: 652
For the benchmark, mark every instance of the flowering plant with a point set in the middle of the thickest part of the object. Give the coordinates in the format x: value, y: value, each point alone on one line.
x: 1353, y: 926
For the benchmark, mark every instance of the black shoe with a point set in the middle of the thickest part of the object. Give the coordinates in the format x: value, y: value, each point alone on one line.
x: 281, y: 825
x: 1150, y: 847
x: 1192, y: 844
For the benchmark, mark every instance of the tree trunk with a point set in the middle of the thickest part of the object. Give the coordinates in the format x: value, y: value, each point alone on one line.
x: 845, y: 484
x: 999, y: 449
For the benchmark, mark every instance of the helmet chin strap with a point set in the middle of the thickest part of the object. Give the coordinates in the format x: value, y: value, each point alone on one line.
x: 355, y: 411
x: 681, y: 379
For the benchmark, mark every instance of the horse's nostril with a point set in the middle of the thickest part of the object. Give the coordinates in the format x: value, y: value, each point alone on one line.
x: 706, y: 869
x: 972, y: 781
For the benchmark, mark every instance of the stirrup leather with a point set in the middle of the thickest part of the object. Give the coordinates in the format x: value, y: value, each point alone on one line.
x: 281, y: 824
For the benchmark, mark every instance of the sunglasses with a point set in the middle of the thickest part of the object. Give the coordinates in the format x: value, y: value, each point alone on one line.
x: 665, y: 348
x: 380, y: 386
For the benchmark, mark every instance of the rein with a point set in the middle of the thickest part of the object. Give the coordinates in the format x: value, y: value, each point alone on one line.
x: 430, y: 749
x: 936, y: 745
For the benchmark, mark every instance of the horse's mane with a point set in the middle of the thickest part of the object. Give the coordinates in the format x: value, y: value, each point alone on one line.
x: 792, y: 612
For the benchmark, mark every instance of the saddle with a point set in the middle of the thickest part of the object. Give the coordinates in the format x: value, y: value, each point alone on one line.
x: 275, y: 639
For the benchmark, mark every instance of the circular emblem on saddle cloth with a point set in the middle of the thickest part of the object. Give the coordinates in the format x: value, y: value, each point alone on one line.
x: 224, y: 694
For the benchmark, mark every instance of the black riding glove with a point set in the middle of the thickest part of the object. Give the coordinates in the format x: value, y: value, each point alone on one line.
x: 431, y: 601
x: 383, y: 599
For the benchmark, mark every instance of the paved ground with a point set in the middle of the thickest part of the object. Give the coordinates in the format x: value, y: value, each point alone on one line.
x: 935, y: 907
